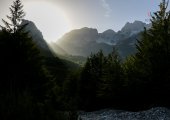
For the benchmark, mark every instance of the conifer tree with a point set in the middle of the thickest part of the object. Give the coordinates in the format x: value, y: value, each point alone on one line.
x: 15, y: 17
x: 111, y: 80
x: 153, y: 57
x: 90, y: 78
x: 24, y: 79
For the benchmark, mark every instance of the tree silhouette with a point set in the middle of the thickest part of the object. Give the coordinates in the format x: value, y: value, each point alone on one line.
x: 90, y: 78
x: 15, y: 18
x: 24, y: 79
x: 112, y: 79
x: 152, y: 61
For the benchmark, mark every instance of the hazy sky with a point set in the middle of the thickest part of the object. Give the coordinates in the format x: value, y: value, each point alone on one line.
x: 100, y: 14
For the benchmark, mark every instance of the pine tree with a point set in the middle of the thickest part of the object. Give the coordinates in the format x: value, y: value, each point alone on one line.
x: 90, y: 79
x: 153, y: 57
x: 111, y: 80
x: 15, y: 18
x: 24, y: 79
x: 154, y: 49
x: 101, y: 80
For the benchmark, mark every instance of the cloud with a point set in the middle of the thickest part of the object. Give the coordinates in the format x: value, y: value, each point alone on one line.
x: 106, y: 6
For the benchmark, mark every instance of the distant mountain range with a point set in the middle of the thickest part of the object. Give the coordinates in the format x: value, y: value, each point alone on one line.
x: 84, y: 41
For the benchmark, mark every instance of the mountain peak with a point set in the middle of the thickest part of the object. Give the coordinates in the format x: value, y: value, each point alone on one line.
x: 109, y: 31
x: 135, y: 26
x: 137, y: 21
x: 89, y: 30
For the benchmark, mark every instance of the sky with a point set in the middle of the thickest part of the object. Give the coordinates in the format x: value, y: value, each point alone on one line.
x: 64, y: 15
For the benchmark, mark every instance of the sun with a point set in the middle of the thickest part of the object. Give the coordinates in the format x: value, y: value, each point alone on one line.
x: 49, y: 19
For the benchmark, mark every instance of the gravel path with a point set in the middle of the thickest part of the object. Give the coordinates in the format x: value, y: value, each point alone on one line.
x: 158, y: 113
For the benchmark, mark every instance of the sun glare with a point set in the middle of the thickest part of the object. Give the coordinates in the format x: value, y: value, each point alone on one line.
x: 49, y: 19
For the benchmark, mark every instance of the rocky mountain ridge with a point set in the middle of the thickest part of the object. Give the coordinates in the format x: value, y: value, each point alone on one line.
x: 85, y: 41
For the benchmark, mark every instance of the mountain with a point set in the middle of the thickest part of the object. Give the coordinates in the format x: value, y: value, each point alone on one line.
x: 126, y: 38
x: 129, y: 30
x: 84, y: 41
x: 136, y: 26
x: 107, y: 37
x: 59, y: 68
x: 37, y: 36
x: 127, y: 46
x: 54, y: 62
x: 80, y: 36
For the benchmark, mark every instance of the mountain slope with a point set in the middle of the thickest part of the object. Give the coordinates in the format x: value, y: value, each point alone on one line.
x: 37, y: 36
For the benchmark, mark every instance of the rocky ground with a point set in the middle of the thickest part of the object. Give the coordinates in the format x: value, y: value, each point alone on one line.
x: 158, y: 113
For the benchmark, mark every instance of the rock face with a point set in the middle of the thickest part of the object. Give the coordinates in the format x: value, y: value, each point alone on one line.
x: 37, y: 36
x: 85, y: 41
x: 158, y: 113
